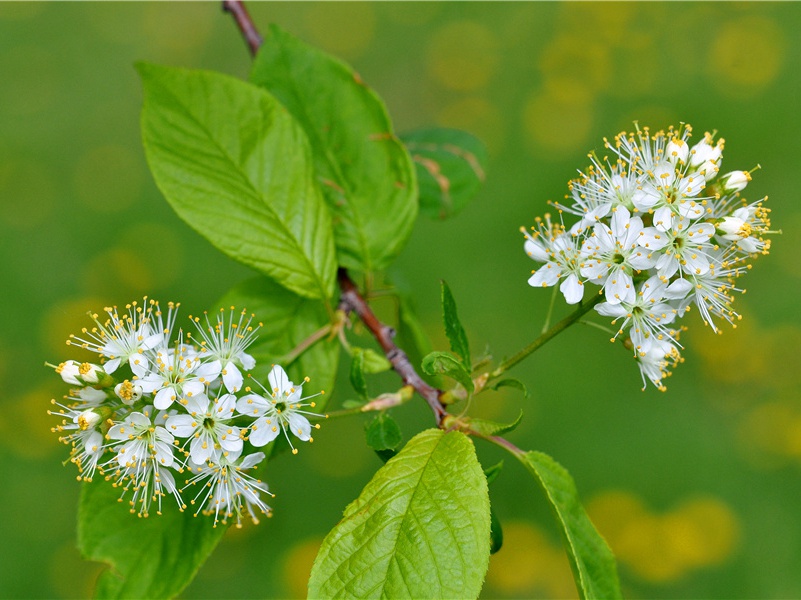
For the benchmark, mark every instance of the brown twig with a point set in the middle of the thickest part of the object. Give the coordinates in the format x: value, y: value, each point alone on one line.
x: 352, y: 301
x: 245, y: 24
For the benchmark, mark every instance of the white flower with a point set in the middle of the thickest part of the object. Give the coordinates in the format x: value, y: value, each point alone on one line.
x: 144, y: 455
x: 207, y: 426
x: 76, y: 373
x: 683, y: 246
x: 224, y: 345
x: 705, y: 158
x: 128, y: 392
x: 279, y: 408
x: 745, y: 227
x: 179, y: 374
x: 736, y: 181
x: 226, y: 489
x: 713, y: 291
x: 612, y: 254
x: 561, y: 253
x: 655, y: 362
x: 80, y: 425
x: 122, y: 338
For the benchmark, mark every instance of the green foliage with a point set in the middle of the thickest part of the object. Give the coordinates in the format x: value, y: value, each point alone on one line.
x: 442, y: 363
x: 453, y: 327
x: 593, y: 564
x: 236, y: 167
x: 155, y: 557
x: 383, y: 433
x: 289, y: 320
x: 496, y: 532
x: 489, y: 428
x: 357, y: 379
x: 366, y: 174
x: 450, y: 169
x: 374, y: 362
x: 512, y: 383
x: 419, y: 529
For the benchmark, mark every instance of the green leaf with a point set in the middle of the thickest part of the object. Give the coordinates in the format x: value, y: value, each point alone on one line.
x: 512, y: 383
x: 442, y: 363
x: 453, y: 328
x: 367, y: 176
x: 375, y: 362
x: 357, y: 379
x: 288, y: 320
x: 450, y: 169
x: 155, y: 557
x: 235, y: 166
x: 383, y: 433
x: 496, y: 532
x: 593, y: 564
x: 419, y: 529
x: 491, y: 473
x: 488, y: 428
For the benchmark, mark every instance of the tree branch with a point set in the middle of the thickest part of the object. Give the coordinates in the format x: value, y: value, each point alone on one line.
x: 246, y: 26
x: 352, y: 301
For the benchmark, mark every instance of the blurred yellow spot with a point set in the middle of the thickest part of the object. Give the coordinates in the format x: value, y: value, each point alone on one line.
x: 64, y: 318
x: 575, y: 66
x: 411, y: 13
x: 771, y: 434
x: 180, y: 28
x: 700, y: 532
x: 164, y: 260
x: 297, y: 566
x: 108, y: 178
x: 529, y: 565
x: 25, y: 426
x: 118, y: 271
x: 18, y: 11
x: 69, y: 574
x: 33, y: 73
x: 598, y: 20
x: 31, y: 190
x: 479, y: 117
x: 557, y: 123
x: 345, y: 29
x: 746, y: 55
x: 462, y: 56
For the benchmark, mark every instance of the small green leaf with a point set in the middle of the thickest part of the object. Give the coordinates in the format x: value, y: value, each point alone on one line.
x: 375, y: 362
x: 512, y: 383
x: 450, y: 169
x: 419, y: 529
x: 593, y: 564
x: 383, y: 433
x: 491, y: 473
x: 442, y: 363
x: 453, y: 328
x: 155, y: 557
x: 367, y: 177
x: 357, y: 379
x: 236, y: 167
x: 496, y: 532
x: 288, y: 320
x: 488, y: 428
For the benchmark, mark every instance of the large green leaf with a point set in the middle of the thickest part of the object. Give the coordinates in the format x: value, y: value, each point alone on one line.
x: 235, y: 166
x: 593, y: 564
x: 288, y: 320
x: 419, y: 529
x: 450, y: 169
x: 365, y: 172
x: 155, y: 557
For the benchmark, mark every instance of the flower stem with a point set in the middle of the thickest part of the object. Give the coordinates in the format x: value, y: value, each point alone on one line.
x: 551, y: 333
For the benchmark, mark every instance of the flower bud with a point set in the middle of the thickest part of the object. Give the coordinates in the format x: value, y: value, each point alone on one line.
x: 128, y: 392
x: 678, y: 150
x: 88, y: 419
x: 734, y: 228
x: 735, y: 181
x: 69, y: 372
x: 704, y: 151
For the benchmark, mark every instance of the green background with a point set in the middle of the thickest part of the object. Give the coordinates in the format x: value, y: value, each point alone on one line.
x: 697, y: 490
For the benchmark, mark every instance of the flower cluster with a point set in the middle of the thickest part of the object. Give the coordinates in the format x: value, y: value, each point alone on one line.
x: 160, y: 416
x: 658, y: 230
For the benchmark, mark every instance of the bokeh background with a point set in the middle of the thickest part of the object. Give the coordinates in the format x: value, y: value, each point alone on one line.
x: 698, y: 490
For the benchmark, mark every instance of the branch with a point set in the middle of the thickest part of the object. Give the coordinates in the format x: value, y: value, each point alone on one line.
x: 352, y: 301
x: 246, y: 26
